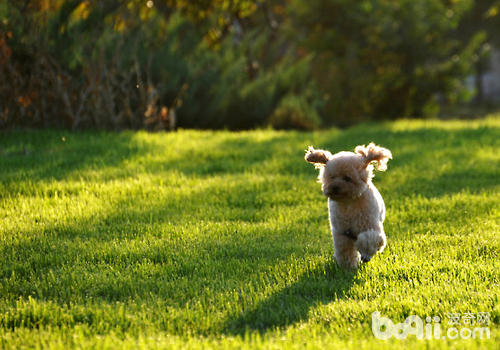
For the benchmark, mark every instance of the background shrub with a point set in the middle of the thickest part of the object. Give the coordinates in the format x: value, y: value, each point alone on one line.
x: 236, y: 64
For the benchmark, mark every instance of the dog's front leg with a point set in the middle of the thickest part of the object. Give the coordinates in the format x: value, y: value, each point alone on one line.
x: 345, y: 253
x: 369, y: 243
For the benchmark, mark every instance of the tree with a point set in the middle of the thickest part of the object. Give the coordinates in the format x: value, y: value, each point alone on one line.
x: 383, y: 58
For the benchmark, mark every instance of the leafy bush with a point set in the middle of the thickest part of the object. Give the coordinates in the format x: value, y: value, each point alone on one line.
x: 222, y: 64
x: 294, y: 112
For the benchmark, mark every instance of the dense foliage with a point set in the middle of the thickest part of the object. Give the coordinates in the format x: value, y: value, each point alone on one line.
x: 235, y: 63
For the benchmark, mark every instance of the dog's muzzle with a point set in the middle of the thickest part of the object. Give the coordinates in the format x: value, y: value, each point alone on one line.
x: 365, y: 259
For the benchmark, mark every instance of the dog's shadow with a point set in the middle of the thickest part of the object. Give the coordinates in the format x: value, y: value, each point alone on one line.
x: 291, y: 304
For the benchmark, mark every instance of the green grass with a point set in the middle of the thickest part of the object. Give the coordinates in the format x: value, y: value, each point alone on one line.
x: 221, y: 240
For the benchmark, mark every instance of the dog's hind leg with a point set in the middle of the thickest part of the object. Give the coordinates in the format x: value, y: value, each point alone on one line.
x: 369, y: 243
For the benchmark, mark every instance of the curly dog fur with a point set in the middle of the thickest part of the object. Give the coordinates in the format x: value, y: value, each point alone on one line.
x: 356, y: 208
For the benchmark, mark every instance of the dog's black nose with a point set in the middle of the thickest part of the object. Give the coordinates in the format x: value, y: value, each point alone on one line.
x: 365, y: 259
x: 335, y: 189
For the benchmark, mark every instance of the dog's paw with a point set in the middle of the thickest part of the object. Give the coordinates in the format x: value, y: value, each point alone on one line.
x: 369, y: 243
x: 348, y: 261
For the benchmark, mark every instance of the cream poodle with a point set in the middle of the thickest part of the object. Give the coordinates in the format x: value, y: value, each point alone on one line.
x: 356, y: 208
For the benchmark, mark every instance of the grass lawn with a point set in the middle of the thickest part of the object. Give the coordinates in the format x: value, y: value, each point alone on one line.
x: 220, y: 240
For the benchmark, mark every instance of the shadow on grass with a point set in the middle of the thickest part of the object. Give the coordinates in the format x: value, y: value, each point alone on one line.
x: 176, y: 269
x: 430, y: 162
x: 292, y: 304
x: 49, y: 157
x: 37, y: 155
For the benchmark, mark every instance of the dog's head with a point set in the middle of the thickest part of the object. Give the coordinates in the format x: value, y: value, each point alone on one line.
x: 345, y: 176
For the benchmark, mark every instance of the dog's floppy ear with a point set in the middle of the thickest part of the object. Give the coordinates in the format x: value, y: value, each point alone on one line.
x: 318, y: 157
x: 374, y: 153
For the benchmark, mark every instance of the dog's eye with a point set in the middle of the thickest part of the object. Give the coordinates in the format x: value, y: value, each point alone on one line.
x: 347, y: 179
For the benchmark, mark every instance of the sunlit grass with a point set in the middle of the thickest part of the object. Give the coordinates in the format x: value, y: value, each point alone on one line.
x: 220, y: 239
